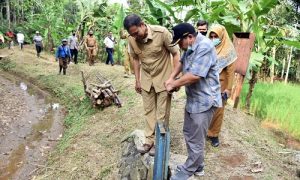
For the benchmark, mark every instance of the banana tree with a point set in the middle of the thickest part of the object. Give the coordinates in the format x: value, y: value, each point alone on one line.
x: 118, y: 25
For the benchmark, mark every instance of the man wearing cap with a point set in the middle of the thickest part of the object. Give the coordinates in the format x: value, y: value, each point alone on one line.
x: 38, y: 41
x: 91, y: 47
x: 152, y: 59
x: 201, y: 81
x: 63, y: 56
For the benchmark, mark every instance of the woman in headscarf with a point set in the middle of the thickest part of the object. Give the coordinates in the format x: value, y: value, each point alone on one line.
x: 226, y: 56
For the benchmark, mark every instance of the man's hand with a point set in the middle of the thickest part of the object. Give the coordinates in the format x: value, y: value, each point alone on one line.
x: 138, y: 88
x: 169, y: 85
x: 227, y: 92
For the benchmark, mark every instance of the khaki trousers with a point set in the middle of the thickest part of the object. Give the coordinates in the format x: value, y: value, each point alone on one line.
x: 128, y: 64
x: 216, y: 123
x: 155, y: 109
x: 91, y: 52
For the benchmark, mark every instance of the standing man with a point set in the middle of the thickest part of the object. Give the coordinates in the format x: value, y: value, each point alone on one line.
x: 91, y: 47
x: 63, y: 56
x: 201, y: 81
x: 20, y: 39
x: 152, y: 59
x: 73, y: 43
x: 109, y: 42
x: 202, y: 27
x: 128, y: 64
x: 38, y: 41
x: 10, y: 38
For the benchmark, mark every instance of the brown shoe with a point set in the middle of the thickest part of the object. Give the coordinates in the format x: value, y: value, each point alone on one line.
x: 152, y: 151
x: 146, y: 148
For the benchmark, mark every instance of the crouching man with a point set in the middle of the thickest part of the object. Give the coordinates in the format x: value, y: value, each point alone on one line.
x: 201, y: 81
x: 63, y: 56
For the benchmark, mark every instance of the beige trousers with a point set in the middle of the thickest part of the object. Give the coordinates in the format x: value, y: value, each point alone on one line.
x: 155, y: 105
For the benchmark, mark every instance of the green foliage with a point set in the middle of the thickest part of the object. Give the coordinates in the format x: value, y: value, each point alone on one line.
x: 278, y: 103
x: 6, y: 64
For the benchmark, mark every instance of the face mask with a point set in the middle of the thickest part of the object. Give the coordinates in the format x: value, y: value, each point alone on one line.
x: 204, y: 33
x: 216, y: 41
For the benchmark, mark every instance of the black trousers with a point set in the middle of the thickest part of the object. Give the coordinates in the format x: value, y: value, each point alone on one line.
x: 110, y: 56
x: 38, y: 50
x: 74, y: 55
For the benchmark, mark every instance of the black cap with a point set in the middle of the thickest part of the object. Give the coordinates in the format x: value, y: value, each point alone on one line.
x: 180, y: 31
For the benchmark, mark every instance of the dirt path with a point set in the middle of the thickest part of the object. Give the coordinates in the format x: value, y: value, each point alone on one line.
x: 247, y: 150
x: 29, y: 127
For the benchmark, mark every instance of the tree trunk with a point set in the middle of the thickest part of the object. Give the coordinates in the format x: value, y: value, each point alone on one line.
x: 237, y: 89
x: 1, y: 14
x: 252, y: 83
x: 8, y: 13
x: 288, y: 67
x: 273, y: 64
x: 14, y: 13
x: 283, y: 68
x: 298, y: 71
x: 50, y: 40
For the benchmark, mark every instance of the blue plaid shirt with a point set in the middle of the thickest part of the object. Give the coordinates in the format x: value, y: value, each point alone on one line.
x: 201, y: 60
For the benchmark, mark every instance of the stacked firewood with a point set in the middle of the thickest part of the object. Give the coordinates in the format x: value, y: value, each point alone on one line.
x: 102, y: 93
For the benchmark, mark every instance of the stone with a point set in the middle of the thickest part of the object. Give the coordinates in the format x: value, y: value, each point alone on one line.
x: 135, y: 166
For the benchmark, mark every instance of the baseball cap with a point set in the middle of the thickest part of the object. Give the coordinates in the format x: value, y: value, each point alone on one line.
x: 180, y: 31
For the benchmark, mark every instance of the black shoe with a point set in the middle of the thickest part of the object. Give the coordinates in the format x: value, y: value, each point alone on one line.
x: 214, y: 141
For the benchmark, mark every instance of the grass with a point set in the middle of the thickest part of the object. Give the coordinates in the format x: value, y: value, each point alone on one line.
x: 278, y: 103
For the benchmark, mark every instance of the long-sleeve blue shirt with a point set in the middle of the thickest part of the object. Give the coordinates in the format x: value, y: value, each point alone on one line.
x: 63, y: 52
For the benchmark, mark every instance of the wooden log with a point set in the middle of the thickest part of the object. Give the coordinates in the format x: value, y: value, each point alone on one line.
x: 105, y: 94
x: 98, y: 91
x: 95, y: 95
x: 98, y: 101
x: 109, y: 93
x: 102, y: 86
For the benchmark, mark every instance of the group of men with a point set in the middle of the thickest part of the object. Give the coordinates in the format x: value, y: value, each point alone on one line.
x: 10, y: 37
x: 159, y: 71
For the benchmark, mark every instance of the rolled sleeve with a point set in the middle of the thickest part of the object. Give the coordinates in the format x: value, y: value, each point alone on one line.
x: 131, y: 49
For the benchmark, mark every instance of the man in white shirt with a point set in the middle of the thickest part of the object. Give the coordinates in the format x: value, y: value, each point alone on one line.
x: 20, y: 39
x: 109, y: 42
x: 73, y: 43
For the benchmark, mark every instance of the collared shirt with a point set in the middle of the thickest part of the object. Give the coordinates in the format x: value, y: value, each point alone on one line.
x: 155, y: 57
x: 201, y: 60
x: 20, y: 37
x: 109, y: 42
x: 73, y: 42
x: 63, y: 52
